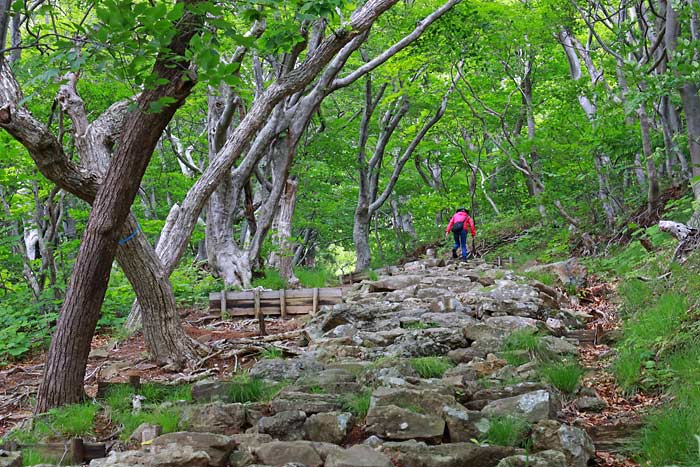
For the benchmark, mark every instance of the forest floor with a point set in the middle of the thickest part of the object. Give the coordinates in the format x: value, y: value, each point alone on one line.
x: 614, y: 428
x: 113, y: 361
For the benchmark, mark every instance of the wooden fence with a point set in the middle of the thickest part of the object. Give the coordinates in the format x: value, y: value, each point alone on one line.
x: 274, y: 302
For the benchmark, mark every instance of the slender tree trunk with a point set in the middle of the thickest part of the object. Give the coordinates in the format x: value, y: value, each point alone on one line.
x: 360, y: 236
x: 652, y: 177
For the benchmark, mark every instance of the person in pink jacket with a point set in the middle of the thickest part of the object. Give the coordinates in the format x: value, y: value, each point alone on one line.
x: 458, y: 225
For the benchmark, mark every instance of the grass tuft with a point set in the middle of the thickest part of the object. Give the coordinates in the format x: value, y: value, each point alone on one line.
x: 431, y: 367
x: 563, y: 376
x: 271, y: 353
x: 247, y: 389
x: 507, y: 431
x: 357, y: 404
x: 523, y: 345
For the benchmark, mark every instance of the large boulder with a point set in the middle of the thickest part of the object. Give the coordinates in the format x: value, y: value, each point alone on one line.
x: 217, y: 447
x: 285, y: 426
x: 358, y: 456
x: 532, y: 406
x: 388, y: 284
x: 392, y: 422
x: 419, y: 454
x: 427, y: 401
x: 328, y: 427
x: 169, y: 456
x: 215, y: 417
x: 285, y: 369
x: 307, y: 453
x: 548, y: 458
x: 307, y: 402
x: 574, y: 442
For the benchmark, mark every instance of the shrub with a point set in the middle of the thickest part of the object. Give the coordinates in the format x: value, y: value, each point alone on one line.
x: 431, y: 367
x: 507, y: 431
x: 563, y: 376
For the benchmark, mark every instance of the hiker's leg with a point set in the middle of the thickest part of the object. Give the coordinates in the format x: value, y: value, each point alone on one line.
x: 463, y: 238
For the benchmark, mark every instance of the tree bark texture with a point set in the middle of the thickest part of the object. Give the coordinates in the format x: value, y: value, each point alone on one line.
x: 62, y: 381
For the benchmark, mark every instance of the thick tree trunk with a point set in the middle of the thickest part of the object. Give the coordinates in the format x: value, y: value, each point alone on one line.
x: 62, y: 381
x: 283, y: 258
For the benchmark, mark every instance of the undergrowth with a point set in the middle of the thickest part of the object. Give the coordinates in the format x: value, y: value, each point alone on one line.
x: 357, y: 404
x: 431, y: 367
x: 563, y: 376
x: 507, y: 431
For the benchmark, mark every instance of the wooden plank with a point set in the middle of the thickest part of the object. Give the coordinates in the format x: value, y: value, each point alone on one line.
x: 283, y: 304
x: 314, y: 304
x: 223, y: 303
x: 274, y: 294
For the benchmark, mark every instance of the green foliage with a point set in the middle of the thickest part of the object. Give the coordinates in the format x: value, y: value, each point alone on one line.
x: 521, y: 346
x: 270, y: 280
x: 563, y: 376
x: 272, y: 353
x: 670, y: 434
x: 34, y: 457
x: 546, y: 277
x: 246, y: 389
x: 316, y: 277
x: 166, y: 417
x: 58, y: 424
x: 431, y: 367
x: 357, y: 404
x: 507, y: 431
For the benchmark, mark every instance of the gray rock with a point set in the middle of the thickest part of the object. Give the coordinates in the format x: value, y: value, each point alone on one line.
x: 170, y: 456
x: 10, y: 458
x: 418, y: 454
x: 391, y: 283
x: 559, y: 345
x: 573, y: 442
x: 329, y: 427
x: 590, y: 404
x: 215, y: 417
x: 532, y: 406
x: 309, y: 403
x: 548, y: 458
x: 285, y: 369
x: 465, y: 355
x: 392, y: 422
x: 358, y: 456
x: 208, y: 390
x: 429, y: 401
x: 510, y: 324
x: 307, y: 453
x: 464, y: 425
x: 461, y: 370
x: 151, y: 431
x: 217, y: 447
x: 285, y: 426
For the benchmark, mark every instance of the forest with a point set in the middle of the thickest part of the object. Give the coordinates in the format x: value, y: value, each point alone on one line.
x: 154, y: 152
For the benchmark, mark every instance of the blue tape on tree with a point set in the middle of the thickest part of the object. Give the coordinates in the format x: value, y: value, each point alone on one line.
x: 131, y: 235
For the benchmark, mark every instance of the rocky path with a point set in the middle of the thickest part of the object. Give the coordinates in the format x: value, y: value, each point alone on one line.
x: 412, y: 371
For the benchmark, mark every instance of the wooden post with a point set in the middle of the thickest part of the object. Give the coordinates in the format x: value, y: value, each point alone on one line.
x: 259, y: 313
x: 77, y: 451
x: 499, y: 261
x: 223, y: 303
x: 510, y: 260
x: 283, y: 303
x: 135, y: 381
x: 314, y: 303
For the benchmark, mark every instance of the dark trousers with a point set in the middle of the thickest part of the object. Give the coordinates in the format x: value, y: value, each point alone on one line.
x: 461, y: 240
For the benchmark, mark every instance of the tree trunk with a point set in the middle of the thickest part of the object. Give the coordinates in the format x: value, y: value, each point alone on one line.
x: 652, y: 177
x: 62, y: 381
x: 691, y: 106
x: 283, y: 258
x: 360, y: 236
